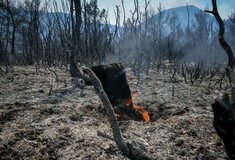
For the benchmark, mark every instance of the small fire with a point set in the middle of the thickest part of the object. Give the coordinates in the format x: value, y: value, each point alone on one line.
x: 138, y: 108
x: 117, y: 115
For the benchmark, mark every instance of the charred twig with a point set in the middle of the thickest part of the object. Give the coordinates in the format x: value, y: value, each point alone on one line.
x: 128, y: 149
x: 105, y: 135
x: 220, y: 80
x: 184, y: 73
x: 71, y: 140
x: 50, y: 89
x: 57, y: 78
x: 173, y: 91
x: 66, y: 138
x: 80, y: 140
x: 46, y: 66
x: 203, y: 98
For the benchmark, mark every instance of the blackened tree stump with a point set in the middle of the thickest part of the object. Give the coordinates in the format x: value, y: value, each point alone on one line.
x: 133, y: 150
x: 114, y: 82
x: 224, y: 123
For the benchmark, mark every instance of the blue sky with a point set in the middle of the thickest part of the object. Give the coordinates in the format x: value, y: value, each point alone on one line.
x: 225, y: 6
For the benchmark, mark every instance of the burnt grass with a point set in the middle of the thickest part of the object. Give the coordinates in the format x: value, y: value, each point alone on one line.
x: 64, y: 124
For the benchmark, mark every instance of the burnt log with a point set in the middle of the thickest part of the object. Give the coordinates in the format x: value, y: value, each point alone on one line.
x: 224, y: 123
x: 114, y: 82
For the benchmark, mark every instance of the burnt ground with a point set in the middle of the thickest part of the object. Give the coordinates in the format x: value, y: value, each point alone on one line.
x: 64, y: 124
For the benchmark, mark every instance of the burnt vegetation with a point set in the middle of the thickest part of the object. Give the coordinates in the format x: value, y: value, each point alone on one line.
x: 76, y: 36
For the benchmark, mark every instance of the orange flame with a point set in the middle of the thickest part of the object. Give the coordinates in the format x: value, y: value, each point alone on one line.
x: 117, y: 115
x: 138, y: 108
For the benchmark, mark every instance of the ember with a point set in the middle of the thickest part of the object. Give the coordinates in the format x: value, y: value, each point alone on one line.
x: 138, y: 108
x: 117, y: 115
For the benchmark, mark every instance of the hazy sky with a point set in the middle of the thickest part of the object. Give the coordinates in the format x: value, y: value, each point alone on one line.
x: 225, y: 6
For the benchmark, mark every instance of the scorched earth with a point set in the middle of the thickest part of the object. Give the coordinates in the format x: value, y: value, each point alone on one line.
x: 41, y: 118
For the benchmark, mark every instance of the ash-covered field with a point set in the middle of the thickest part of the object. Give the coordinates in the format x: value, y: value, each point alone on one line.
x: 44, y: 119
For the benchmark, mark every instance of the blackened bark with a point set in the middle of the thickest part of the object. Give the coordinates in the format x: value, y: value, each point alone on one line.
x: 78, y: 12
x: 73, y: 57
x: 13, y: 36
x: 224, y: 123
x: 74, y: 71
x: 231, y: 59
x: 113, y: 79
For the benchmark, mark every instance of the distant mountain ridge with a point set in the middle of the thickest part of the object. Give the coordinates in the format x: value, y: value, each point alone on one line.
x: 181, y: 13
x: 182, y: 16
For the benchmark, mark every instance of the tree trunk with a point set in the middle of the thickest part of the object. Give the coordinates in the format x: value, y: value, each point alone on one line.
x: 76, y: 37
x: 231, y: 59
x: 78, y: 12
x: 13, y: 36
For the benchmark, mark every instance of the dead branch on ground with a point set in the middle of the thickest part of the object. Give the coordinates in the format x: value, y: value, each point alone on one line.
x: 105, y: 136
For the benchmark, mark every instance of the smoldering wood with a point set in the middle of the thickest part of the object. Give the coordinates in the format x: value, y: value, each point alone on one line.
x: 130, y: 150
x: 111, y: 76
x: 224, y: 123
x: 114, y: 82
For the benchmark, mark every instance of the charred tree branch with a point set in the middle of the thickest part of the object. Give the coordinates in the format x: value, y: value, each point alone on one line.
x: 231, y: 59
x: 105, y: 136
x: 109, y: 110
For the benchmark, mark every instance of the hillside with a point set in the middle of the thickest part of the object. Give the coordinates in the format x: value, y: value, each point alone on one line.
x: 180, y: 15
x: 64, y: 124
